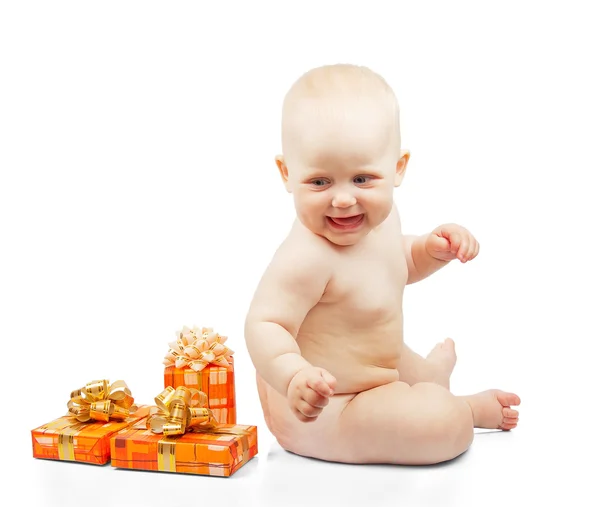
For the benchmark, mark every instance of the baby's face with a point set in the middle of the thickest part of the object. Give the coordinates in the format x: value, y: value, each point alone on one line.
x: 342, y: 173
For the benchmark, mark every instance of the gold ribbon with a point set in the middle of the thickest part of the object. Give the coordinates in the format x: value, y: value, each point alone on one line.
x: 166, y: 449
x: 180, y: 410
x: 166, y: 455
x: 177, y: 411
x: 99, y: 401
x: 66, y: 439
x: 197, y: 348
x: 238, y: 432
x: 184, y: 410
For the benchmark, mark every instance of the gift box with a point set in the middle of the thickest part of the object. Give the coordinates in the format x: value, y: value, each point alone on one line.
x: 84, y: 435
x: 220, y: 452
x: 200, y: 360
x: 183, y: 440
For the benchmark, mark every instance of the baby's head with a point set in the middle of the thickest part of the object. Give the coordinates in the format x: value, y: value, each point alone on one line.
x: 341, y: 151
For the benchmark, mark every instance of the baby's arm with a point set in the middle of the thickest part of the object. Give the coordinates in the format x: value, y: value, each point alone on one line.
x: 420, y: 263
x: 430, y: 252
x: 292, y: 284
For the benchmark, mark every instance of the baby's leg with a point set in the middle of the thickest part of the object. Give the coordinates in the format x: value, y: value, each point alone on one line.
x: 393, y: 423
x: 437, y: 367
x: 415, y: 425
x: 409, y: 425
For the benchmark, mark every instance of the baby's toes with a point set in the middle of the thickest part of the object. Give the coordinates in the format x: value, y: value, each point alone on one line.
x: 509, y: 425
x: 510, y: 418
x: 507, y: 399
x: 447, y: 344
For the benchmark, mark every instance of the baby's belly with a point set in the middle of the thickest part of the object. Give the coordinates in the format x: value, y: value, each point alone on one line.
x: 357, y: 362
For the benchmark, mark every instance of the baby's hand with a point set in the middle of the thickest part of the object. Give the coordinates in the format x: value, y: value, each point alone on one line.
x: 309, y: 392
x: 451, y: 241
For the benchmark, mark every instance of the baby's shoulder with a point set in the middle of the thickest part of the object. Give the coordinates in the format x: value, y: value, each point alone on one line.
x: 303, y: 244
x: 299, y: 261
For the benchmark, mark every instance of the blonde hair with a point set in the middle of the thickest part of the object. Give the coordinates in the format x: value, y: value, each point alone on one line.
x: 321, y: 90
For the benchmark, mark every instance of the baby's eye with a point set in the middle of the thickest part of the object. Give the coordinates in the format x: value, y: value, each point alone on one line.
x: 320, y: 182
x: 361, y: 180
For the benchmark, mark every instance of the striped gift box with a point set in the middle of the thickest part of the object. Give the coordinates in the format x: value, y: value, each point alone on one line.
x: 67, y: 439
x: 220, y: 451
x: 217, y: 382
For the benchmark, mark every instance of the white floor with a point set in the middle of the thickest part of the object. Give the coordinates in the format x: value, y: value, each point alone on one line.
x: 535, y: 464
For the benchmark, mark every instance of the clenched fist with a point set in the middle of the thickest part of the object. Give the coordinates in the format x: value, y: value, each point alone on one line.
x: 451, y: 241
x: 309, y: 392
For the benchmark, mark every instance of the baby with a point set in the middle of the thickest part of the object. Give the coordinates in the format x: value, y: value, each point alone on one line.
x: 324, y: 329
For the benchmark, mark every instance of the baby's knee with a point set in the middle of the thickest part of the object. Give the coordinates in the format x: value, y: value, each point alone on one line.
x: 447, y: 420
x: 460, y: 427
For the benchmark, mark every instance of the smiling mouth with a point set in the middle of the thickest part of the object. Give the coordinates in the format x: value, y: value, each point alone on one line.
x: 346, y: 223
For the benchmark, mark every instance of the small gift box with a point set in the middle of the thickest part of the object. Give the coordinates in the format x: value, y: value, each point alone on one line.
x: 199, y: 360
x: 96, y: 412
x: 179, y: 437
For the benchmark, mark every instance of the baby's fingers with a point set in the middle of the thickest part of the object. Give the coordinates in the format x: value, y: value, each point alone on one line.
x: 465, y: 245
x: 330, y: 379
x: 315, y: 399
x: 473, y: 250
x: 306, y: 412
x: 319, y: 385
x: 456, y: 240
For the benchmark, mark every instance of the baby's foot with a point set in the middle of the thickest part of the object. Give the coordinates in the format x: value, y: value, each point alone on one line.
x: 443, y: 359
x: 491, y: 409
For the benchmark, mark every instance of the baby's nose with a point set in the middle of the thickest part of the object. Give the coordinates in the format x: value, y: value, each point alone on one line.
x: 343, y: 200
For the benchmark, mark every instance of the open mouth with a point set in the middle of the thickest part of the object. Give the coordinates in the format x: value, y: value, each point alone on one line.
x: 346, y: 223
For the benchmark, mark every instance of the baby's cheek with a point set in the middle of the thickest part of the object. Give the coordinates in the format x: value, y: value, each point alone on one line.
x: 310, y: 220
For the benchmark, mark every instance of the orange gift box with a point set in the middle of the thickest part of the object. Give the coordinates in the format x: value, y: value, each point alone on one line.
x: 219, y: 451
x: 216, y: 381
x: 200, y: 360
x: 68, y: 439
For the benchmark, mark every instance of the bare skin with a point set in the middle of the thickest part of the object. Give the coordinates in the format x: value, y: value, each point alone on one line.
x: 337, y: 336
x: 436, y: 367
x: 325, y: 327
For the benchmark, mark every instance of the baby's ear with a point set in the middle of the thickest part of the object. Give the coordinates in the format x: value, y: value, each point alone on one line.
x: 401, y: 167
x: 283, y: 171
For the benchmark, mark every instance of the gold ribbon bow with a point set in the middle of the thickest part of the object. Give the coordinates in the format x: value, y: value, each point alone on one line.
x: 197, y: 348
x: 99, y: 401
x: 179, y: 410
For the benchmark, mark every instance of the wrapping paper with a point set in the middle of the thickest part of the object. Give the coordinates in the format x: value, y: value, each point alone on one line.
x: 68, y: 439
x: 216, y: 381
x: 219, y: 451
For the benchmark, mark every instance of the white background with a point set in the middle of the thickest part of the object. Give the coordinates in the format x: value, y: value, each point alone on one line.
x: 138, y: 194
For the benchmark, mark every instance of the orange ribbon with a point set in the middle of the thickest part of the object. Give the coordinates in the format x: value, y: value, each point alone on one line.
x: 179, y: 410
x: 99, y: 401
x: 197, y: 348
